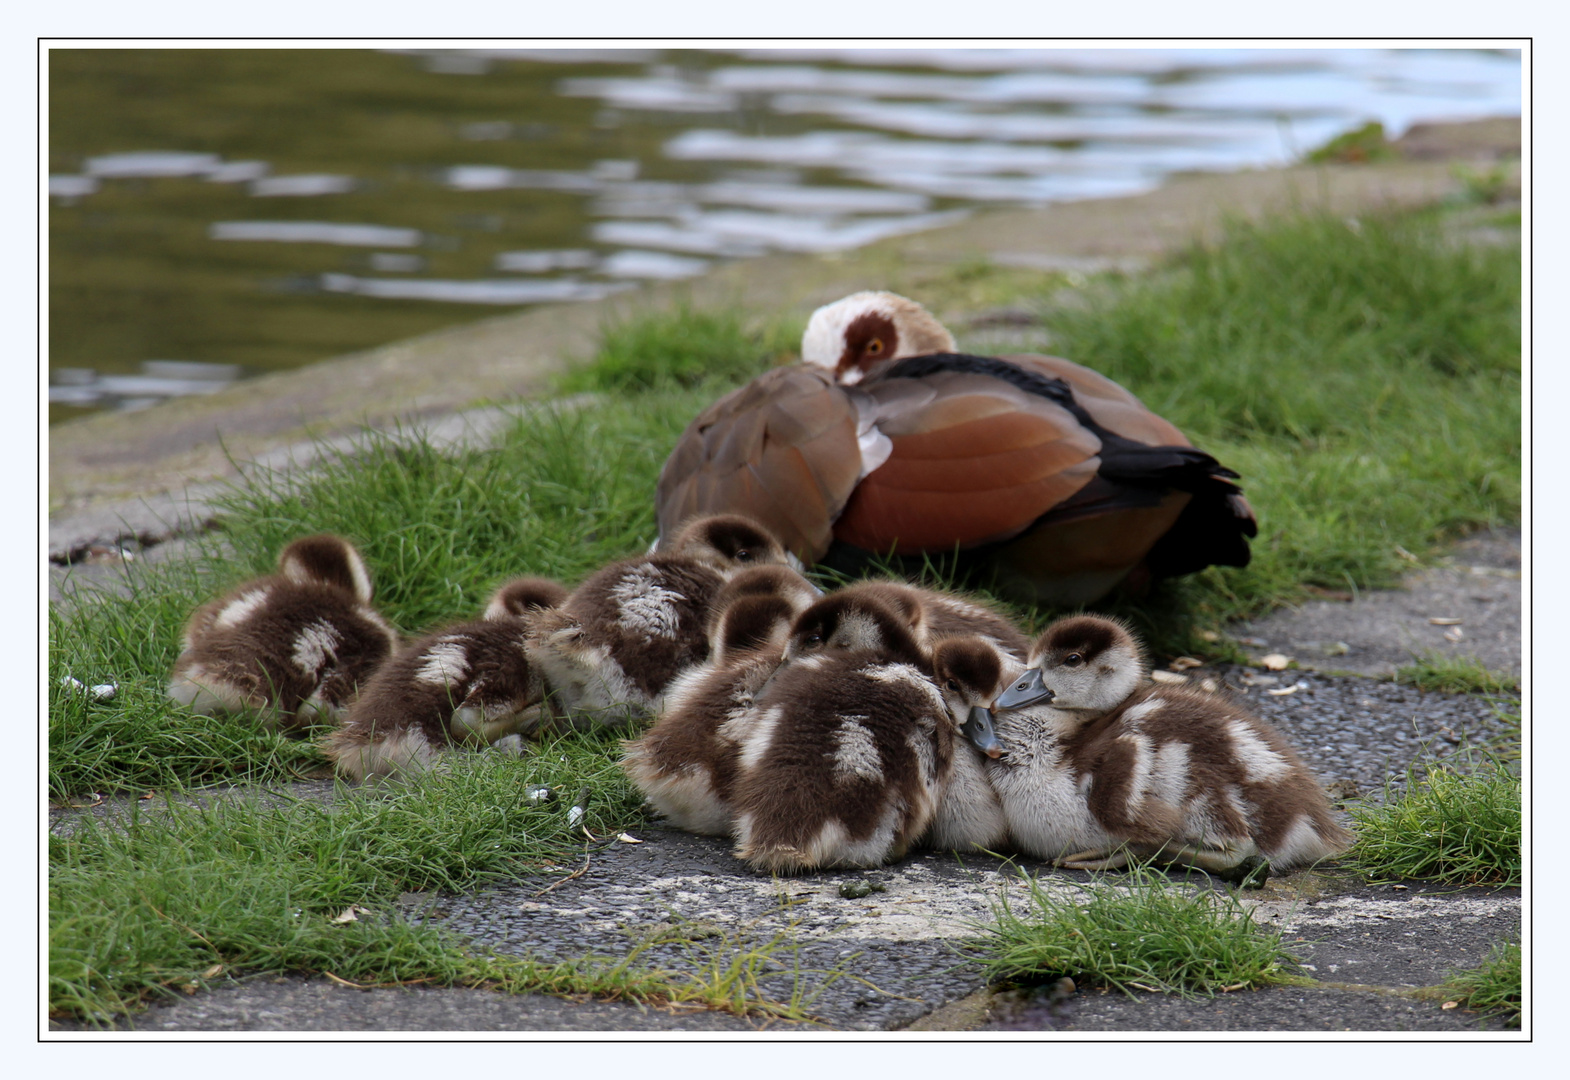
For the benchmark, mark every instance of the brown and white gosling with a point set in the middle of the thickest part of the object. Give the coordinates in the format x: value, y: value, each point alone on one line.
x: 1101, y: 767
x: 852, y: 747
x: 686, y: 764
x: 470, y: 684
x: 294, y: 646
x: 970, y: 816
x: 612, y: 649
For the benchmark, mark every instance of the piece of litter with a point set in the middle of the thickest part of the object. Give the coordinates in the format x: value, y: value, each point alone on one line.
x: 1338, y: 648
x: 1454, y: 634
x: 1209, y: 635
x: 1403, y: 553
x: 1276, y: 661
x: 1450, y: 1004
x: 1183, y: 663
x: 1210, y: 686
x: 1255, y: 642
x: 1283, y: 690
x: 1259, y: 680
x: 1167, y: 677
x: 624, y: 838
x: 72, y: 684
x: 350, y: 914
x: 574, y: 815
x: 1440, y: 621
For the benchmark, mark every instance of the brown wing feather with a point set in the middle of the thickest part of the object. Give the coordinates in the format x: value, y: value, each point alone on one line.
x: 974, y: 460
x: 781, y: 449
x: 1113, y: 407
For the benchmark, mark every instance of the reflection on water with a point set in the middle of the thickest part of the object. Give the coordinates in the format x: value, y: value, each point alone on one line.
x: 245, y: 210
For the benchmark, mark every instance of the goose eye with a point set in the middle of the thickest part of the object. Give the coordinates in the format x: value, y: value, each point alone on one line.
x: 743, y: 555
x: 1073, y: 659
x: 815, y: 639
x: 875, y: 347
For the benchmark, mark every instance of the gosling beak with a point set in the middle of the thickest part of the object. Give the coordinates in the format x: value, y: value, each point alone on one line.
x: 978, y: 729
x: 1028, y: 689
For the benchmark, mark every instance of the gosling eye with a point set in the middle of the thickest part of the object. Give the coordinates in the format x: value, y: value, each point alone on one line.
x: 875, y: 347
x: 743, y: 555
x: 952, y: 685
x: 1073, y: 659
x: 814, y: 639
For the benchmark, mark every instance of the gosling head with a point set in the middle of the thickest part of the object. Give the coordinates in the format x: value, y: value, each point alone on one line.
x: 728, y: 543
x: 756, y: 608
x: 847, y: 622
x: 969, y: 674
x: 859, y: 336
x: 1084, y: 663
x: 522, y: 595
x: 325, y: 559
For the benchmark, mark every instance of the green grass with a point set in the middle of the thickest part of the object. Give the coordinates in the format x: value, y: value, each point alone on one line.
x: 682, y: 347
x: 1457, y: 675
x: 166, y: 901
x: 1455, y: 825
x: 1364, y: 381
x: 1148, y: 934
x: 1493, y: 987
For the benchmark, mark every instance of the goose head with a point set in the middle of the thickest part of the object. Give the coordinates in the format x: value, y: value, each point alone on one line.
x: 862, y: 334
x: 969, y: 673
x: 727, y: 543
x: 325, y: 559
x: 1083, y: 663
x: 522, y: 595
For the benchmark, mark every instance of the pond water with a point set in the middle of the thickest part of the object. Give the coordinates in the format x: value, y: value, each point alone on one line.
x: 217, y: 213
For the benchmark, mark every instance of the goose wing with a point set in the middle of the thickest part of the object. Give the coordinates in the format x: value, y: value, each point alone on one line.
x: 783, y: 450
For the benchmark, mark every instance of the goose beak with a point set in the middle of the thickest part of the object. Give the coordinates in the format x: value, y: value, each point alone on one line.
x: 1028, y: 689
x: 978, y: 729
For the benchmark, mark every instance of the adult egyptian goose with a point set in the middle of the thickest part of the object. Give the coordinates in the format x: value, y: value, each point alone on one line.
x: 887, y: 439
x: 1100, y: 766
x: 293, y: 646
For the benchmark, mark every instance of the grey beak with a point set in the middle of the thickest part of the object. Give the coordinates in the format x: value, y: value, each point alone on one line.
x: 978, y: 729
x: 1028, y: 689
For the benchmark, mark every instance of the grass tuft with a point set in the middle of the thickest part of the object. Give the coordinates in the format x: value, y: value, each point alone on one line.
x: 1457, y: 675
x: 1150, y: 934
x: 1451, y: 826
x: 1493, y: 987
x: 681, y: 348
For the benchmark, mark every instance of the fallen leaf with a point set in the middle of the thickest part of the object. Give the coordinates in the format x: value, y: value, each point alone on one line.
x: 1337, y: 648
x: 1283, y: 690
x: 624, y: 838
x: 351, y: 914
x: 1210, y: 686
x: 1167, y: 677
x: 1276, y: 661
x: 1454, y: 634
x: 1183, y: 663
x: 212, y: 972
x: 1403, y: 553
x: 1450, y: 1004
x: 1209, y: 635
x: 1439, y: 620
